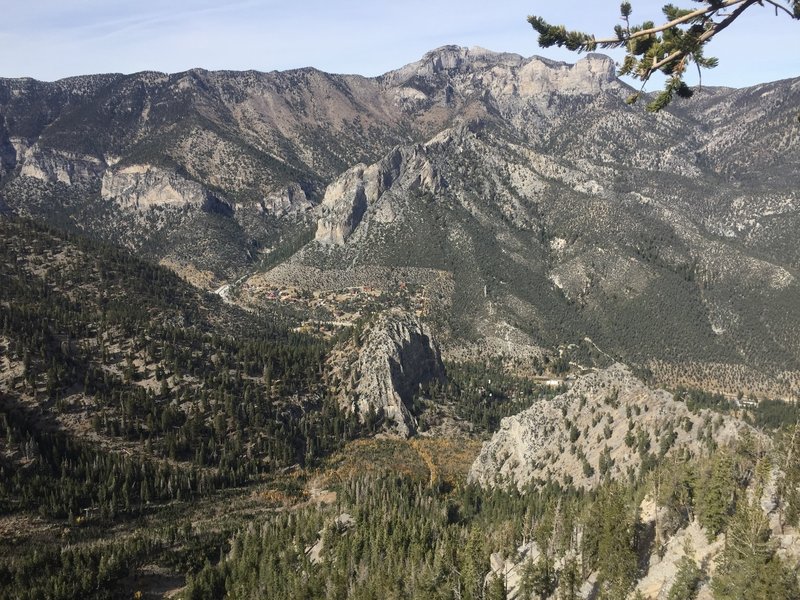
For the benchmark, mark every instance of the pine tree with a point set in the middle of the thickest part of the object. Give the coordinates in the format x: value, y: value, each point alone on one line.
x: 716, y: 495
x: 569, y: 582
x: 473, y: 565
x: 538, y: 578
x: 669, y: 47
x: 748, y: 568
x: 609, y: 541
x: 496, y: 590
x: 688, y: 576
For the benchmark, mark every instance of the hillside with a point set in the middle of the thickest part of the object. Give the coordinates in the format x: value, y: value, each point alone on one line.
x: 473, y: 329
x: 145, y: 421
x: 609, y: 425
x: 103, y: 351
x: 710, y: 513
x: 147, y: 448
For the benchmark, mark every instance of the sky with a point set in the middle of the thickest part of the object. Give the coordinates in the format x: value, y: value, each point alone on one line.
x: 50, y: 39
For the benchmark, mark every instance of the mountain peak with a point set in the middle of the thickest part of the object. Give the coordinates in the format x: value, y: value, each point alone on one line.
x: 454, y: 59
x: 591, y: 72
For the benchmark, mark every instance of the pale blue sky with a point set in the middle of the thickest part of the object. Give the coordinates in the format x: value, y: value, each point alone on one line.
x: 49, y: 39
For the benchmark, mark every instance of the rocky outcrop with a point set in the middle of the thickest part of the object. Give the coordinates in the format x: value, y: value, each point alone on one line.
x: 144, y: 186
x: 8, y: 154
x: 286, y: 200
x: 395, y: 356
x: 510, y: 569
x: 340, y: 525
x: 590, y: 75
x: 349, y: 197
x: 451, y: 75
x: 343, y: 206
x: 663, y: 566
x: 601, y: 427
x: 52, y: 166
x: 505, y: 73
x: 453, y: 59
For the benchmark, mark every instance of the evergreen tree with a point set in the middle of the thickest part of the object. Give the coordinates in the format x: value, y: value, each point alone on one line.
x: 538, y: 578
x: 569, y: 582
x: 748, y: 568
x: 473, y: 565
x: 669, y: 47
x: 609, y: 541
x: 496, y: 589
x: 716, y: 495
x: 688, y: 577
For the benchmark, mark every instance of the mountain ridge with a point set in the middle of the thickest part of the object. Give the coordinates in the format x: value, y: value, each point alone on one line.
x: 606, y: 218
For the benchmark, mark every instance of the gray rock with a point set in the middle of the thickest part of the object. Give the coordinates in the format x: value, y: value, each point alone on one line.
x: 342, y: 523
x: 60, y: 166
x: 144, y: 186
x: 362, y: 187
x: 396, y: 357
x: 588, y: 425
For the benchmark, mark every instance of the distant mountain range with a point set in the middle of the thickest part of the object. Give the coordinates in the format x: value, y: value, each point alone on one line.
x: 529, y: 205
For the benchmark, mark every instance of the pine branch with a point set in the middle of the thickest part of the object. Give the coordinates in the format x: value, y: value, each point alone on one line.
x: 679, y: 54
x: 781, y: 7
x: 667, y: 47
x: 550, y: 35
x: 694, y: 15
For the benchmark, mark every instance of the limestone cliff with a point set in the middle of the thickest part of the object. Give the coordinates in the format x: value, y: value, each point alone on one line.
x: 145, y: 186
x: 344, y: 205
x: 504, y: 75
x: 289, y: 199
x: 362, y: 187
x: 51, y: 165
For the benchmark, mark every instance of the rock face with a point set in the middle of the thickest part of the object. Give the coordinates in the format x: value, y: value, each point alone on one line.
x: 602, y: 425
x: 341, y: 524
x: 60, y: 166
x: 289, y: 199
x: 344, y: 204
x: 504, y: 74
x: 511, y: 571
x: 662, y: 568
x: 396, y: 356
x: 349, y: 197
x: 144, y: 186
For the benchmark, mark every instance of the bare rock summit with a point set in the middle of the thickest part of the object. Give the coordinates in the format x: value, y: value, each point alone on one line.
x: 607, y: 425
